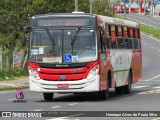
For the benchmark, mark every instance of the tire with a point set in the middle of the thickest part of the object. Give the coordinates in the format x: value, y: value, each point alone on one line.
x: 48, y: 96
x: 127, y: 88
x: 105, y: 93
x: 119, y: 90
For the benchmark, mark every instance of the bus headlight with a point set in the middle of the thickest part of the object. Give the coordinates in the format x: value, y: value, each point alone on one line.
x: 33, y: 73
x: 93, y: 72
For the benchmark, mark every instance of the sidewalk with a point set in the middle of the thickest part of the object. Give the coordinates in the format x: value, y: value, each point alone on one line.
x: 19, y: 82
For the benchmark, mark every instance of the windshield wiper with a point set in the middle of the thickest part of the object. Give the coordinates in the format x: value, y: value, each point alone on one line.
x: 51, y: 39
x: 75, y: 35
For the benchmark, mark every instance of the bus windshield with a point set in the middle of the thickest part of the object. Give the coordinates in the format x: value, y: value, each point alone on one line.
x: 60, y: 49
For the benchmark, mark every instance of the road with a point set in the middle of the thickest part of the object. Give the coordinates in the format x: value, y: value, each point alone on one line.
x: 145, y: 93
x: 150, y: 21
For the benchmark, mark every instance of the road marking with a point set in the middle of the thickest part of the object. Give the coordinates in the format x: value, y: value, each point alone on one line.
x: 158, y: 87
x: 38, y: 110
x: 59, y: 118
x: 73, y: 103
x: 139, y: 86
x: 158, y: 50
x: 152, y: 78
x: 62, y: 118
x: 65, y: 118
x: 145, y: 44
x: 152, y: 47
x: 156, y: 119
x: 150, y: 92
x: 151, y: 37
x: 56, y: 107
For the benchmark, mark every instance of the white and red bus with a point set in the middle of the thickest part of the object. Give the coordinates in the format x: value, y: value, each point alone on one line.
x: 83, y: 53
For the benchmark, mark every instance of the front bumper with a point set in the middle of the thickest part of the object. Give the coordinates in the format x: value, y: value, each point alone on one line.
x: 84, y: 85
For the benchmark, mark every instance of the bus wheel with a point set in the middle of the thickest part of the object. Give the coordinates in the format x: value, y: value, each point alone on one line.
x: 48, y: 96
x: 127, y: 88
x: 105, y: 93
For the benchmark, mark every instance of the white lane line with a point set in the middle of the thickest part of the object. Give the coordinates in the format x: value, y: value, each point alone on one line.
x: 11, y: 99
x: 66, y: 118
x: 152, y: 47
x: 158, y: 50
x: 145, y: 44
x: 152, y: 78
x: 59, y: 118
x: 157, y: 87
x: 73, y: 103
x: 151, y: 37
x: 38, y: 110
x: 156, y: 119
x: 56, y: 107
x: 62, y: 118
x: 139, y: 86
x: 141, y: 93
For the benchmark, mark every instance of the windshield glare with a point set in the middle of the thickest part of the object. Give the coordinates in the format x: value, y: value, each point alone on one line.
x: 59, y: 49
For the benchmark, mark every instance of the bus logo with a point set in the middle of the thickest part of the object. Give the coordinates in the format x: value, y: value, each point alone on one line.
x: 62, y: 77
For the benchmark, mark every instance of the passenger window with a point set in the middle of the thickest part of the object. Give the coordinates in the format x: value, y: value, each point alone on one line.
x: 136, y: 44
x: 125, y: 33
x: 119, y: 31
x: 107, y: 29
x: 114, y: 44
x: 121, y: 43
x: 128, y: 43
x: 131, y: 32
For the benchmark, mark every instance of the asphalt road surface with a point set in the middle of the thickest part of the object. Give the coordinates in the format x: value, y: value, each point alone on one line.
x: 145, y: 94
x: 145, y: 19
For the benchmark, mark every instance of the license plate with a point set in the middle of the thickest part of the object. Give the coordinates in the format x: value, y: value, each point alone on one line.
x: 62, y: 85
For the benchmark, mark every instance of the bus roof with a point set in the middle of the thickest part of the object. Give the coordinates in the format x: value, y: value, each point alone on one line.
x: 116, y: 21
x: 105, y: 19
x: 63, y: 15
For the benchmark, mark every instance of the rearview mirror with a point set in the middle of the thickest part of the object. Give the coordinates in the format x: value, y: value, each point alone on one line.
x: 27, y: 29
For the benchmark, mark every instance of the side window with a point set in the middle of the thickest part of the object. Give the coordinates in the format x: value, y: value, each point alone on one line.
x: 131, y: 33
x: 136, y: 43
x: 113, y: 31
x: 121, y: 43
x: 108, y: 42
x: 103, y: 48
x: 119, y: 31
x: 107, y: 29
x: 128, y: 43
x: 107, y: 33
x: 137, y: 33
x: 113, y: 37
x: 125, y: 32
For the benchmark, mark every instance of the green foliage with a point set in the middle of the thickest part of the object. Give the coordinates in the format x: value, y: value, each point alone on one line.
x: 102, y: 7
x: 11, y: 74
x: 15, y: 15
x: 13, y: 88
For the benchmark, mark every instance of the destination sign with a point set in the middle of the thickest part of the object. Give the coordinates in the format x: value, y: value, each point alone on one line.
x: 63, y: 22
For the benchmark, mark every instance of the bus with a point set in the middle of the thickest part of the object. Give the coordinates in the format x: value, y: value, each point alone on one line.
x: 83, y: 53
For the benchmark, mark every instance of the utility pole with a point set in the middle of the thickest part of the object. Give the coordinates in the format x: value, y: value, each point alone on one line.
x: 90, y: 6
x: 76, y: 5
x: 151, y: 9
x: 124, y: 5
x: 129, y: 6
